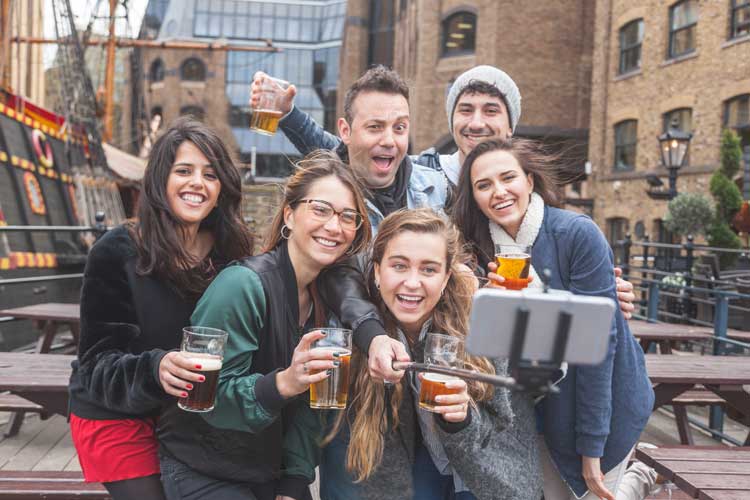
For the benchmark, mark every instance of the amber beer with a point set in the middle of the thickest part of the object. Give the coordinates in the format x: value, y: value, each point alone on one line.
x: 267, y: 112
x: 265, y: 121
x: 201, y: 398
x: 433, y: 385
x: 514, y: 267
x: 332, y: 392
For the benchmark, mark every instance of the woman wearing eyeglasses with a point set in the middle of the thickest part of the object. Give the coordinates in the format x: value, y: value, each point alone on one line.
x: 261, y: 440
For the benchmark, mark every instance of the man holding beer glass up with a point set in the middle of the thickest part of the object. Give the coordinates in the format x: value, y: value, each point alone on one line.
x: 483, y: 103
x: 261, y: 441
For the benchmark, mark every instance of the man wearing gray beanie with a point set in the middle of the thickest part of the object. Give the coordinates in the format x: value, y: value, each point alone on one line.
x: 483, y: 103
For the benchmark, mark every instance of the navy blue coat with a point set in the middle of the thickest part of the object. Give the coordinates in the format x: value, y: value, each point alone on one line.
x: 601, y: 410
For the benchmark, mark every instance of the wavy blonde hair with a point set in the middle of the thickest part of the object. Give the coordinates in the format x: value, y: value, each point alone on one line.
x: 368, y: 414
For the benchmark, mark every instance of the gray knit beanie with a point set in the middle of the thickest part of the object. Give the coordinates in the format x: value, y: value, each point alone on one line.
x: 493, y: 76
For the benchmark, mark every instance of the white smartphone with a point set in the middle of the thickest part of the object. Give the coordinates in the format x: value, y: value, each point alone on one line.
x: 493, y: 318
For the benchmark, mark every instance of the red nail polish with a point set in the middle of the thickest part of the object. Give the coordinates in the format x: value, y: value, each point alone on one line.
x: 184, y: 394
x: 189, y: 386
x: 203, y: 379
x: 198, y: 366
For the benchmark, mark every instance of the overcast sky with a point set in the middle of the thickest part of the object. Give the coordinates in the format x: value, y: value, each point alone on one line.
x: 84, y: 9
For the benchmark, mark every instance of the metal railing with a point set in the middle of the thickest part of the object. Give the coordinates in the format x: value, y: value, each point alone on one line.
x: 688, y: 291
x: 97, y: 229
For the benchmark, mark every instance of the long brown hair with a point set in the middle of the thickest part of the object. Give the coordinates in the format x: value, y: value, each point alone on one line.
x: 450, y: 316
x: 159, y: 233
x: 318, y: 165
x: 532, y: 159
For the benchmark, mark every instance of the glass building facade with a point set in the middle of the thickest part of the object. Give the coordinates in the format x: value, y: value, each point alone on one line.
x: 309, y: 33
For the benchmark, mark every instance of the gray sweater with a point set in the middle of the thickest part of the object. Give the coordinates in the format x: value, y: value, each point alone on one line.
x: 495, y: 455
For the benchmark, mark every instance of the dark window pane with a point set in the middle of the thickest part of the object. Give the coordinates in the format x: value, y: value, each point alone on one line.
x: 239, y: 116
x: 682, y: 20
x: 684, y: 14
x: 625, y: 144
x: 459, y: 33
x: 193, y: 70
x: 683, y: 117
x: 737, y: 112
x: 740, y: 18
x: 156, y: 72
x: 683, y: 41
x: 631, y: 36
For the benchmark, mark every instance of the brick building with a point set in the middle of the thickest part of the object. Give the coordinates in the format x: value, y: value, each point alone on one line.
x: 654, y: 61
x: 213, y: 85
x: 545, y: 46
x: 588, y: 71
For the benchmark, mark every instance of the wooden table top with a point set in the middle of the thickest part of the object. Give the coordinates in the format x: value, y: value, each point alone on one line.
x: 712, y: 370
x: 674, y: 331
x: 34, y: 372
x: 54, y: 311
x: 710, y: 473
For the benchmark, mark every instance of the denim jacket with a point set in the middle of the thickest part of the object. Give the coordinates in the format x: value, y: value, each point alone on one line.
x: 428, y: 188
x: 602, y: 409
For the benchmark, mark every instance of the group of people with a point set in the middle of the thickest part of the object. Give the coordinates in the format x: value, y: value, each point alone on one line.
x: 374, y: 240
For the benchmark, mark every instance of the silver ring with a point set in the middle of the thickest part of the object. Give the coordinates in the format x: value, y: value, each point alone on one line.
x: 304, y: 367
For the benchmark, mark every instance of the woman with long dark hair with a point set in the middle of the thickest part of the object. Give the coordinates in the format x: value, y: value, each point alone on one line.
x: 508, y: 194
x: 261, y: 440
x: 141, y: 283
x: 481, y: 442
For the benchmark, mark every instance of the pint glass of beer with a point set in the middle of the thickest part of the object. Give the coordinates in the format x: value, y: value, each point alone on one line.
x: 331, y: 393
x: 513, y: 264
x: 265, y: 117
x: 441, y: 350
x: 205, y: 347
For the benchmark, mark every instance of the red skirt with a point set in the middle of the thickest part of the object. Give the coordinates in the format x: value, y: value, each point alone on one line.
x: 114, y: 450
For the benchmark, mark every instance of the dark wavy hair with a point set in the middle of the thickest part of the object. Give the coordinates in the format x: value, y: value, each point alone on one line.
x: 159, y: 233
x: 533, y: 160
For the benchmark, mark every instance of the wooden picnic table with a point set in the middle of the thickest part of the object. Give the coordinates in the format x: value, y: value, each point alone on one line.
x: 664, y: 334
x: 723, y: 375
x: 707, y: 473
x: 47, y: 318
x: 41, y: 378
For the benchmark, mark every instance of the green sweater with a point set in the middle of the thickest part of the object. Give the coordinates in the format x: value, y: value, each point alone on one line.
x: 236, y: 302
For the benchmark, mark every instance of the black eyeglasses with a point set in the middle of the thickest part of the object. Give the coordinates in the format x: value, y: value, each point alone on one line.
x: 323, y: 211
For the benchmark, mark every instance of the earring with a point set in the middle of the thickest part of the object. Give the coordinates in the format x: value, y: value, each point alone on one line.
x: 288, y: 232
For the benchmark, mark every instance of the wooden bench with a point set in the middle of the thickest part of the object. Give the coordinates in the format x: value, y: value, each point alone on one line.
x: 19, y: 405
x: 48, y: 485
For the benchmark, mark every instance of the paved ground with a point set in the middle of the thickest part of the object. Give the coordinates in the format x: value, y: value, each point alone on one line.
x: 46, y: 444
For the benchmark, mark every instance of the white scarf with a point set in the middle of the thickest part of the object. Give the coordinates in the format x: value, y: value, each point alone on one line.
x: 527, y: 233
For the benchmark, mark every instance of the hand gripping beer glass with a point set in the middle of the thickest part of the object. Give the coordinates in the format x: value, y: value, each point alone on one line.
x: 513, y: 264
x: 205, y: 347
x: 441, y: 350
x: 332, y: 392
x: 266, y: 115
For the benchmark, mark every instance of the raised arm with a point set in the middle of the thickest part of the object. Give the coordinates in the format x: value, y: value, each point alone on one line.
x: 298, y: 126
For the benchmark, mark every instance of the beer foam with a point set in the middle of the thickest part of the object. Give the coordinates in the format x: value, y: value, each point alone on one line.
x: 208, y: 363
x: 342, y: 351
x: 438, y: 377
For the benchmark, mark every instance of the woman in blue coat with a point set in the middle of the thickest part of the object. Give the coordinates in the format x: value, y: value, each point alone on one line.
x: 507, y: 193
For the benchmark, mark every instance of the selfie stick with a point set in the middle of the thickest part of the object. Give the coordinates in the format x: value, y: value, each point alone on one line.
x: 456, y: 372
x: 536, y: 376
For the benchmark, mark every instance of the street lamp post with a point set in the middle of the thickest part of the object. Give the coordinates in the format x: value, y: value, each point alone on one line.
x: 674, y: 144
